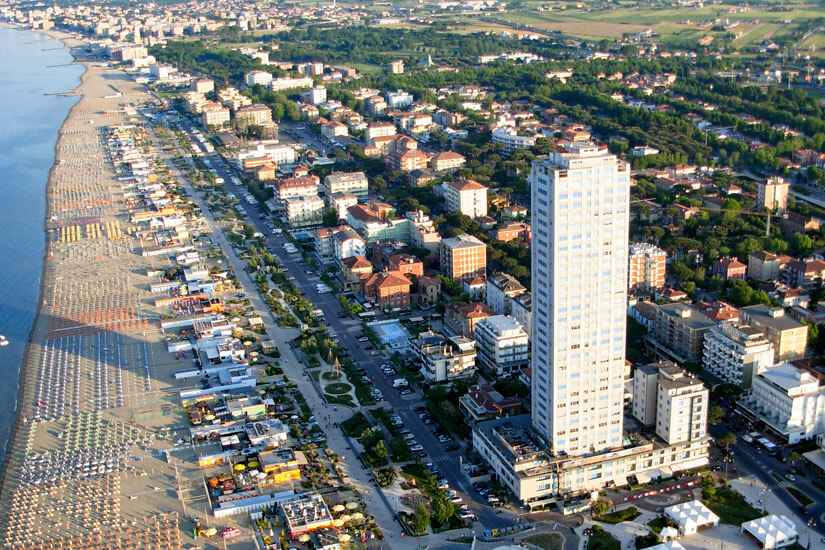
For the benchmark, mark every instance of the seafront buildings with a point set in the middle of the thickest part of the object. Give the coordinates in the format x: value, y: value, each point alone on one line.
x: 573, y: 442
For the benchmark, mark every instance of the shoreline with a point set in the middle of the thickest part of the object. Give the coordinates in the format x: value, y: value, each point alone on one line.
x: 23, y: 375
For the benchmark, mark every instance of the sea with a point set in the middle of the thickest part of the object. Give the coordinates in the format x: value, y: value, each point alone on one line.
x: 31, y: 66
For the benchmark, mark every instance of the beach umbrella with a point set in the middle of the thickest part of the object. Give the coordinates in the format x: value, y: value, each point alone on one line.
x: 303, y: 538
x: 338, y: 508
x: 352, y: 505
x: 240, y: 467
x: 346, y: 537
x: 358, y: 516
x: 345, y: 518
x: 253, y: 464
x: 211, y: 532
x: 337, y: 523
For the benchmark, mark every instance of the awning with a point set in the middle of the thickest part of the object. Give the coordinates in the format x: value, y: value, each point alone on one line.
x: 620, y: 481
x: 643, y: 477
x: 666, y: 471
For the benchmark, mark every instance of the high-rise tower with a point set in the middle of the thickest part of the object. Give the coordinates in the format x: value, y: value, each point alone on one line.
x: 579, y: 262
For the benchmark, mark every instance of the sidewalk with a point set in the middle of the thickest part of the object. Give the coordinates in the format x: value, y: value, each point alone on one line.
x: 378, y: 505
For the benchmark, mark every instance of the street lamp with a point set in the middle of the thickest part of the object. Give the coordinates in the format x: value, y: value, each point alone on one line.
x: 811, y: 524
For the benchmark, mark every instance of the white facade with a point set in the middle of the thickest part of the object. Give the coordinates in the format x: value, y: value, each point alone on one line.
x: 316, y: 95
x: 501, y: 289
x: 681, y: 406
x: 790, y: 400
x: 579, y: 266
x: 444, y: 359
x: 399, y: 98
x: 645, y: 392
x: 279, y: 84
x: 466, y: 196
x: 511, y: 140
x: 304, y: 211
x: 521, y: 308
x: 346, y: 244
x: 279, y: 154
x: 354, y: 183
x: 502, y: 344
x: 258, y: 77
x: 736, y: 353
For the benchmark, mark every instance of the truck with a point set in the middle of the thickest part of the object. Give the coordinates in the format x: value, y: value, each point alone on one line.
x: 400, y: 383
x: 318, y: 312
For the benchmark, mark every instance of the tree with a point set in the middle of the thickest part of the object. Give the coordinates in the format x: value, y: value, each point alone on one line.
x: 801, y: 245
x: 380, y: 450
x: 715, y: 414
x: 421, y: 518
x: 601, y: 506
x: 793, y: 457
x: 708, y: 480
x: 330, y: 217
x: 726, y: 440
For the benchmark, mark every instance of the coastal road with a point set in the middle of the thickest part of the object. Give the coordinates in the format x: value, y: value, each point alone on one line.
x: 750, y: 460
x: 346, y: 331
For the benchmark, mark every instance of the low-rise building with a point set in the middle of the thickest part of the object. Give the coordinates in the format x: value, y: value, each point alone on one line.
x: 353, y: 270
x: 398, y: 98
x: 443, y: 359
x: 513, y: 231
x: 429, y: 291
x: 510, y: 138
x: 346, y: 243
x: 203, y: 85
x: 287, y: 83
x: 461, y: 318
x: 729, y: 269
x: 483, y: 402
x: 788, y: 336
x: 502, y: 345
x: 406, y: 265
x: 380, y: 129
x: 333, y: 129
x: 789, y: 400
x: 304, y: 514
x: 736, y: 353
x: 388, y: 290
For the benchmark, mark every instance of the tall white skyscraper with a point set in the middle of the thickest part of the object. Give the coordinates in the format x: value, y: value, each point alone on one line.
x: 580, y: 217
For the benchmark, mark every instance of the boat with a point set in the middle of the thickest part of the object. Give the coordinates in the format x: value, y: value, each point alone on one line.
x: 3, y: 341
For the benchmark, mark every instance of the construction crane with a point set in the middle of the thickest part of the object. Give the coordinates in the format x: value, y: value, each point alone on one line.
x: 766, y: 213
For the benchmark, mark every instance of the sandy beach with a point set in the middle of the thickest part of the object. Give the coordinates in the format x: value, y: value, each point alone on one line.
x: 84, y: 467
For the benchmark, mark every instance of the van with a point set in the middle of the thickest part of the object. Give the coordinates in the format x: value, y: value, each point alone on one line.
x: 400, y: 383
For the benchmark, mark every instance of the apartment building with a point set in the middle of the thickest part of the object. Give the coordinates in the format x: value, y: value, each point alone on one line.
x: 521, y: 308
x: 736, y: 353
x: 346, y: 243
x: 678, y: 332
x: 502, y: 345
x: 772, y: 194
x: 443, y: 359
x: 790, y: 401
x: 214, y: 115
x: 406, y: 160
x: 766, y: 266
x: 501, y: 289
x: 233, y: 99
x: 466, y: 196
x: 203, y: 85
x: 646, y: 268
x: 646, y: 393
x: 804, y: 274
x: 351, y: 183
x: 513, y: 231
x: 681, y: 406
x: 341, y: 203
x: 447, y: 161
x: 315, y: 95
x: 258, y: 114
x: 290, y: 188
x: 287, y: 83
x: 788, y: 336
x: 510, y: 138
x: 261, y: 78
x: 304, y: 211
x: 398, y: 98
x: 463, y: 258
x: 729, y: 269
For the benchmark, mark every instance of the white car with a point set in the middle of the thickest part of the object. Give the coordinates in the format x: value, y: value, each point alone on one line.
x: 416, y: 448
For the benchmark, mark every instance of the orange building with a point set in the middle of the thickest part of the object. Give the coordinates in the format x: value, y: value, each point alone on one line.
x: 405, y: 264
x: 463, y: 258
x: 647, y: 267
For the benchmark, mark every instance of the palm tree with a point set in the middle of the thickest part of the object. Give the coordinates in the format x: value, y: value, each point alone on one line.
x: 726, y: 440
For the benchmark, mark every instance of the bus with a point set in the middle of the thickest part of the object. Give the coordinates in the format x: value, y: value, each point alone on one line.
x: 367, y: 315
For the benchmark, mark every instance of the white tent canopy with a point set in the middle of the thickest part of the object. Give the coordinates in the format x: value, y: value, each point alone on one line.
x: 771, y: 531
x: 691, y: 516
x: 670, y: 545
x: 669, y: 533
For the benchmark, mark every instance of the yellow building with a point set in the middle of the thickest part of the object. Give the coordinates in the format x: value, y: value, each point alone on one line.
x: 282, y: 465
